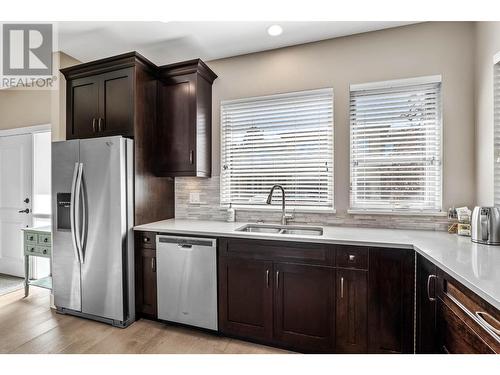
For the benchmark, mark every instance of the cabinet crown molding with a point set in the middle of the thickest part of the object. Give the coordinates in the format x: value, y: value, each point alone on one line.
x: 134, y: 58
x: 188, y: 67
x: 124, y: 60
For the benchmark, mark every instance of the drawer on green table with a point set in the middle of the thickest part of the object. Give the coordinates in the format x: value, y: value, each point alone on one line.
x: 43, y: 250
x: 30, y: 249
x: 44, y: 239
x: 31, y: 237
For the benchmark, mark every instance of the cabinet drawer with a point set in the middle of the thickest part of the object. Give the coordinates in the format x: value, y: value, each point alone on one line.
x: 31, y: 238
x: 30, y: 249
x: 146, y: 240
x: 297, y: 252
x: 43, y: 250
x: 44, y: 239
x: 37, y: 250
x: 456, y: 337
x: 477, y: 315
x: 352, y: 257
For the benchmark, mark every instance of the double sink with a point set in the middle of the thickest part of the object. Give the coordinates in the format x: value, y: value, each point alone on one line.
x: 282, y: 229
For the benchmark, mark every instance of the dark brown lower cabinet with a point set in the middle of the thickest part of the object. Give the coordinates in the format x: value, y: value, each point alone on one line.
x: 391, y: 283
x: 146, y: 298
x: 303, y: 308
x: 426, y: 306
x: 245, y: 298
x: 277, y: 293
x: 351, y: 317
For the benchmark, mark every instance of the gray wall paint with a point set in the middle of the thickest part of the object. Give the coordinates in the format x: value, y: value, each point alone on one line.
x: 487, y: 45
x: 445, y: 48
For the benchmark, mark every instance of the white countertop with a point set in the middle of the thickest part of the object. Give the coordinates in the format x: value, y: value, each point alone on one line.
x: 476, y: 266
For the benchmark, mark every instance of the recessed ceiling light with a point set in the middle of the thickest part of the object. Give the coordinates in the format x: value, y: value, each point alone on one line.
x: 274, y: 30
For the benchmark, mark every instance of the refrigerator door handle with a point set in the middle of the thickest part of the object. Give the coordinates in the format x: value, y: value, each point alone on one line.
x: 72, y: 212
x: 84, y: 226
x: 78, y: 193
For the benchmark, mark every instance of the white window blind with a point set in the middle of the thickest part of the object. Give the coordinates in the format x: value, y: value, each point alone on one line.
x: 284, y: 139
x: 396, y: 145
x: 496, y: 110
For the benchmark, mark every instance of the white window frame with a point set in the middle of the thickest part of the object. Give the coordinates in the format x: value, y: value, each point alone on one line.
x: 496, y: 129
x: 274, y: 207
x: 391, y: 210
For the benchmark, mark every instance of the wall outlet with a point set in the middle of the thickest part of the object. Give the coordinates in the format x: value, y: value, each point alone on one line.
x: 194, y: 197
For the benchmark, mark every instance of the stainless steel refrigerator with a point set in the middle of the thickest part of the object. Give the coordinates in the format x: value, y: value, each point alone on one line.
x: 92, y: 199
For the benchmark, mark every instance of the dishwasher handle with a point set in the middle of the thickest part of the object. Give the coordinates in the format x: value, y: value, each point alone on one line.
x: 186, y: 242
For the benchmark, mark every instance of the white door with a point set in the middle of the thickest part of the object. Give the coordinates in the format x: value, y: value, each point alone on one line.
x: 15, y: 195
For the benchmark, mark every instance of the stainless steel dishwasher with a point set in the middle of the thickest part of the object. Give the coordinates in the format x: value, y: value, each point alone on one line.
x: 187, y: 280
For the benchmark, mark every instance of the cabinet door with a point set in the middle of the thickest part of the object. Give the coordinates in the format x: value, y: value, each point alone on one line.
x: 245, y: 298
x: 116, y: 103
x: 304, y: 311
x: 146, y: 298
x: 426, y: 306
x: 391, y: 288
x: 82, y: 107
x: 351, y: 311
x: 176, y: 153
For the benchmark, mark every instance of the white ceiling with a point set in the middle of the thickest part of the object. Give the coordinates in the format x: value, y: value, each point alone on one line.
x: 168, y: 42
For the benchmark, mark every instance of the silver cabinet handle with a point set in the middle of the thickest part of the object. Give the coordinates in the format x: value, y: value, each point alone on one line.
x: 277, y: 279
x: 191, y: 157
x: 482, y: 314
x: 351, y: 258
x: 267, y: 278
x: 100, y: 123
x: 341, y: 287
x: 153, y: 264
x: 478, y: 317
x: 432, y: 299
x: 93, y: 124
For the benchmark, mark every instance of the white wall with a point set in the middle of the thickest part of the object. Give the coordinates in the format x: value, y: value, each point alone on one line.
x: 487, y: 45
x: 445, y: 48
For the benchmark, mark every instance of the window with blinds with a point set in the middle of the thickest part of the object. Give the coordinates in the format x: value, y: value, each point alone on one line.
x: 395, y: 131
x: 284, y: 139
x: 496, y: 110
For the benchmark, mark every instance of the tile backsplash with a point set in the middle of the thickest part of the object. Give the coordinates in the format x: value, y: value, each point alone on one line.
x: 207, y: 195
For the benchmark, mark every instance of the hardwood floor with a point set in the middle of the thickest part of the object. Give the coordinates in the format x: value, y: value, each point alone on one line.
x: 28, y: 325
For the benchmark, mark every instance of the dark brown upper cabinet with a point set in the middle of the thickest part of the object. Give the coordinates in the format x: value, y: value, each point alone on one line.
x: 118, y: 96
x: 183, y: 141
x: 103, y: 96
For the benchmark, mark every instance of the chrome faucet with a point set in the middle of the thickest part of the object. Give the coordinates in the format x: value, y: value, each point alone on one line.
x: 284, y: 217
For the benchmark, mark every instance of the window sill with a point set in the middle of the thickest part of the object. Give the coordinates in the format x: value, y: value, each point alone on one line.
x: 396, y: 213
x: 290, y: 209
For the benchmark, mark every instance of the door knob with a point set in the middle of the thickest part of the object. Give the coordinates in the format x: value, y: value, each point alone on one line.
x: 26, y: 200
x: 26, y: 211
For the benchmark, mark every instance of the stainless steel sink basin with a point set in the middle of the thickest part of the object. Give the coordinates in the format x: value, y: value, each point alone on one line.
x: 259, y: 228
x: 282, y: 229
x: 314, y: 231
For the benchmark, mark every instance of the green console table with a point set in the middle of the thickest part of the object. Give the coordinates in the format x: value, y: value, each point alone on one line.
x: 37, y: 243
